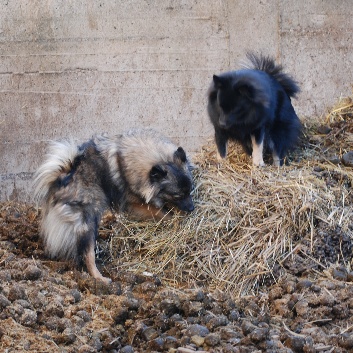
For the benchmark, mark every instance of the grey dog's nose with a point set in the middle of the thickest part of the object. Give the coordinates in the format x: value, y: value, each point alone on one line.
x: 186, y: 204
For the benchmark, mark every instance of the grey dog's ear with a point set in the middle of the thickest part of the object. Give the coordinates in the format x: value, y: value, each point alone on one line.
x: 179, y: 155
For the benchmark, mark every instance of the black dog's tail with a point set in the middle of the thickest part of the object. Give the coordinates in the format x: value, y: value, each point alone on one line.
x: 268, y: 65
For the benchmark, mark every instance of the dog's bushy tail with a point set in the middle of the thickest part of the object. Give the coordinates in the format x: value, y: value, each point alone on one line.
x: 59, y: 161
x: 268, y: 65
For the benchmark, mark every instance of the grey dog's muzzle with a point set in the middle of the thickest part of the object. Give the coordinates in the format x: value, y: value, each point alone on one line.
x: 186, y: 205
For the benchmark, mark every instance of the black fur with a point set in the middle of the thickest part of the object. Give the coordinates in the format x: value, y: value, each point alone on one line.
x: 254, y: 102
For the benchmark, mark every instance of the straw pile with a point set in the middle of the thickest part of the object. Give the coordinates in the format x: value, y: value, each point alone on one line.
x: 341, y: 112
x: 340, y: 121
x: 246, y: 221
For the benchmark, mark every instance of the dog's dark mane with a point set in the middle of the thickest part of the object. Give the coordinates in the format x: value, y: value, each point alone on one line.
x: 268, y: 65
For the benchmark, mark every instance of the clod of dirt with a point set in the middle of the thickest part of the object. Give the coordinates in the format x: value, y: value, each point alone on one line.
x: 347, y: 159
x: 197, y: 330
x: 323, y: 129
x: 32, y: 272
x: 17, y: 292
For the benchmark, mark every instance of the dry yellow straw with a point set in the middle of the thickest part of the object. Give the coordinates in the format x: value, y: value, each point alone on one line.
x: 246, y: 220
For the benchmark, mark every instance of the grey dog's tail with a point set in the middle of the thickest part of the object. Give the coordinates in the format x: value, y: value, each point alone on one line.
x: 268, y: 65
x: 58, y: 161
x: 60, y: 226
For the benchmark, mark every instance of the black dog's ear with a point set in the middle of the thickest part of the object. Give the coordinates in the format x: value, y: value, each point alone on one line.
x: 253, y: 93
x: 179, y: 155
x: 245, y: 90
x: 219, y: 82
x: 157, y: 173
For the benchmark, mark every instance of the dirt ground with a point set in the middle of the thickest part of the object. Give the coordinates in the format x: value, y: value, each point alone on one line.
x: 49, y: 306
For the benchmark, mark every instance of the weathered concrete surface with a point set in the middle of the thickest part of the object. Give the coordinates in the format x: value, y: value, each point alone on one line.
x: 68, y: 68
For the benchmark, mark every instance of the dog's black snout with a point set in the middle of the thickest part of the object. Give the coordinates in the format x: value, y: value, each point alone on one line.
x: 190, y: 208
x: 186, y: 205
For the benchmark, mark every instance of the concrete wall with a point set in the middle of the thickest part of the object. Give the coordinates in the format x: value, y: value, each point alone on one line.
x: 77, y: 68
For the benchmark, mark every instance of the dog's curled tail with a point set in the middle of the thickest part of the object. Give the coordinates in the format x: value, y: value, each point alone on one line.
x: 268, y: 65
x: 59, y: 161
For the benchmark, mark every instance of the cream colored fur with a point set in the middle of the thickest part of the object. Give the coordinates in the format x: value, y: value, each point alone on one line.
x: 61, y: 228
x: 257, y: 153
x: 58, y: 160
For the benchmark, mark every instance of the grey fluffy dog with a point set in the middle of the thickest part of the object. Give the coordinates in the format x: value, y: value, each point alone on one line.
x: 139, y: 172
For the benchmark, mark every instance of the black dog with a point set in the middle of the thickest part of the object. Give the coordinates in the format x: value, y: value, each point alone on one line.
x: 253, y: 106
